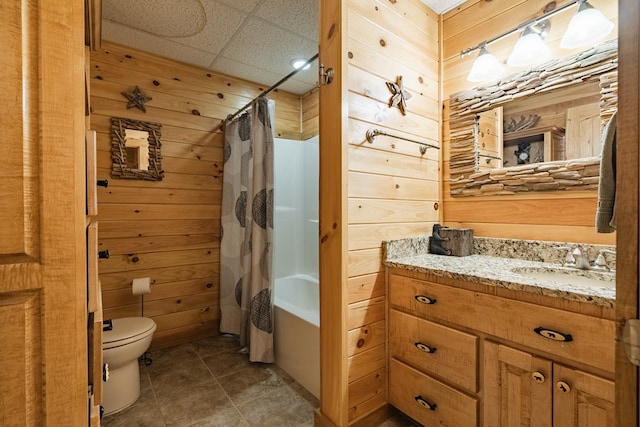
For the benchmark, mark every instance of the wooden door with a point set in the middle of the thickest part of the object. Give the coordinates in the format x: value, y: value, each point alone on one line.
x: 627, y: 242
x: 43, y: 380
x: 489, y: 138
x: 517, y: 388
x: 583, y: 131
x: 581, y: 399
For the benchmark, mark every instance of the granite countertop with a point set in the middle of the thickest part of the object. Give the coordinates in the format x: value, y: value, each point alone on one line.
x: 491, y: 267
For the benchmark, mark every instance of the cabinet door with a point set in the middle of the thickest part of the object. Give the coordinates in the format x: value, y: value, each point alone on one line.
x: 517, y: 388
x: 581, y: 399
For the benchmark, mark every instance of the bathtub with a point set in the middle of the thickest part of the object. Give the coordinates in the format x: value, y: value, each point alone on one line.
x: 296, y: 307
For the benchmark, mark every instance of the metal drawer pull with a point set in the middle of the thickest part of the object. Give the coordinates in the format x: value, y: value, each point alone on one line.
x: 421, y: 401
x: 553, y: 335
x: 563, y: 387
x: 425, y: 348
x: 425, y: 299
x: 538, y: 377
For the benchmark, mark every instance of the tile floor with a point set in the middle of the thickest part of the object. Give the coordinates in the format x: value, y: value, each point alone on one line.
x: 209, y: 383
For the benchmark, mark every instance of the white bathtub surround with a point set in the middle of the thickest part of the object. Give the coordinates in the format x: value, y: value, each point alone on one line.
x: 297, y: 329
x: 296, y: 207
x: 296, y: 291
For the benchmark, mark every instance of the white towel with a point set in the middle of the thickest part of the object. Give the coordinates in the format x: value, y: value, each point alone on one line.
x: 606, y: 212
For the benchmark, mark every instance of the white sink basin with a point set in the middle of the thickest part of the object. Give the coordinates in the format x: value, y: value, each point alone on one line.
x: 569, y: 276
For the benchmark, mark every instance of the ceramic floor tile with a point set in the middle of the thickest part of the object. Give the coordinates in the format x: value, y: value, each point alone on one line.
x: 305, y: 394
x: 185, y: 408
x: 179, y: 390
x: 143, y: 413
x: 214, y: 345
x: 227, y: 417
x: 168, y: 357
x: 250, y: 383
x: 180, y: 376
x: 280, y: 408
x: 178, y: 367
x: 227, y: 363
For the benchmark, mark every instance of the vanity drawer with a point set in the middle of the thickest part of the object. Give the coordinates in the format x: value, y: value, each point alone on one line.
x: 409, y: 387
x: 591, y: 339
x: 434, y: 348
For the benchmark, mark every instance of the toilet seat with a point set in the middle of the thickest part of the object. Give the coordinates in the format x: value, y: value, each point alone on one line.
x: 127, y: 330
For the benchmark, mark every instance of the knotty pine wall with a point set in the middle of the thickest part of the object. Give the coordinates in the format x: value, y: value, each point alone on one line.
x: 169, y: 230
x: 554, y: 216
x: 393, y: 190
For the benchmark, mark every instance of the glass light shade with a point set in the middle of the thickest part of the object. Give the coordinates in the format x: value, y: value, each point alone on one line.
x: 486, y: 67
x: 587, y: 27
x: 529, y: 49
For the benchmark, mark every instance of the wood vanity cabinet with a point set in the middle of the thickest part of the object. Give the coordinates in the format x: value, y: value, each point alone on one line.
x: 462, y: 354
x: 519, y: 385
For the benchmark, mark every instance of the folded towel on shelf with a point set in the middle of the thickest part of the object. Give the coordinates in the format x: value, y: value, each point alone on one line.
x: 606, y: 212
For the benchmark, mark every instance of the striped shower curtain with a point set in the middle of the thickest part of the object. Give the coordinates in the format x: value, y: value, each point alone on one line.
x: 247, y: 231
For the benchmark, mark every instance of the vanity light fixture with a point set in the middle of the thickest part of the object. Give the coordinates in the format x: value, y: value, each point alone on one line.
x: 530, y: 49
x: 587, y: 27
x: 485, y: 67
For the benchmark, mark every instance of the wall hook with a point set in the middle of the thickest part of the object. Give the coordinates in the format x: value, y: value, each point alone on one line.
x: 325, y: 77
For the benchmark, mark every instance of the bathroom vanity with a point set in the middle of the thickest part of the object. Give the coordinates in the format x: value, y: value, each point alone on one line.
x: 485, y: 340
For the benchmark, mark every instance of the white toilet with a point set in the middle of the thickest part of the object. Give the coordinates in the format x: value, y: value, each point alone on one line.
x: 128, y: 339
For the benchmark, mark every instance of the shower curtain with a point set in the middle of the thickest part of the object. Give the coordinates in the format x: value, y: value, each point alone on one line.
x: 247, y: 230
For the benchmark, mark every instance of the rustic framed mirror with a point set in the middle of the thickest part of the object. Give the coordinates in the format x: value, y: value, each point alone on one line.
x: 484, y: 160
x: 135, y: 149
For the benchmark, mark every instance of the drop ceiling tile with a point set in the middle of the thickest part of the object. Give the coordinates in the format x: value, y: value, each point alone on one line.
x: 248, y: 72
x: 268, y: 47
x: 258, y: 75
x: 442, y: 6
x: 158, y: 17
x: 222, y: 23
x: 146, y: 42
x: 296, y: 86
x: 300, y: 16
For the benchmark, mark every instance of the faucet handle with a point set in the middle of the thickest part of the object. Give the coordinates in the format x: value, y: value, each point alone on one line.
x: 601, y: 263
x: 569, y: 259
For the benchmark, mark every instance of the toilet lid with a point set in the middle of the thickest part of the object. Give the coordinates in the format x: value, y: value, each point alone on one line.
x: 126, y: 328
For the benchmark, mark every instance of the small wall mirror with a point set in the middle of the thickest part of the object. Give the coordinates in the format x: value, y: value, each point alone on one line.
x: 135, y: 150
x: 538, y: 130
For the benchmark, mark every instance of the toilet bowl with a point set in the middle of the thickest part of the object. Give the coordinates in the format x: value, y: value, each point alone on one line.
x: 127, y: 340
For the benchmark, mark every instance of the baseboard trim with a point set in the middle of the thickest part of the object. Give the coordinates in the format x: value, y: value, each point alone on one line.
x: 375, y: 418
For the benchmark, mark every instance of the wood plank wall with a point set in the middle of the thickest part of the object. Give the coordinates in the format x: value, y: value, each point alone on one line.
x: 169, y: 230
x: 393, y: 190
x: 553, y: 216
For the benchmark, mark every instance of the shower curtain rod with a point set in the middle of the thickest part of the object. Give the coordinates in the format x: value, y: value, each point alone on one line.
x: 272, y: 88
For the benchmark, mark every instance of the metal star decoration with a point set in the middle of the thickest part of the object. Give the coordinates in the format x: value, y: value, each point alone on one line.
x: 399, y: 95
x: 136, y: 99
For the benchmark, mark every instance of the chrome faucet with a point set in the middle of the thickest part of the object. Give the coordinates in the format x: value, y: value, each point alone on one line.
x: 581, y: 257
x: 577, y: 257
